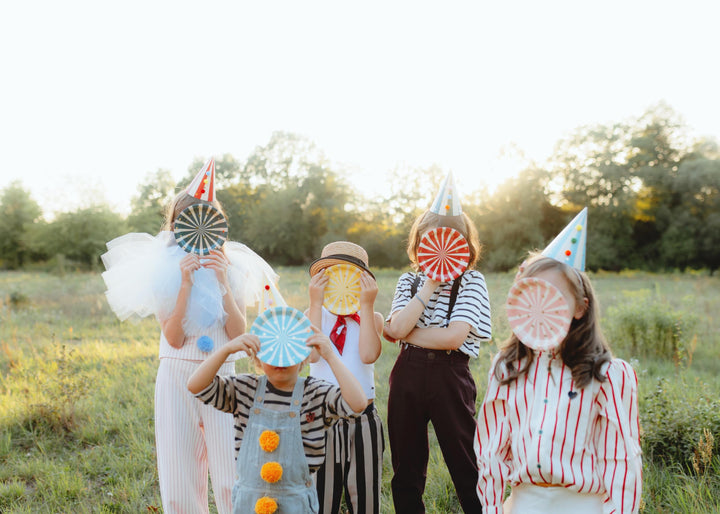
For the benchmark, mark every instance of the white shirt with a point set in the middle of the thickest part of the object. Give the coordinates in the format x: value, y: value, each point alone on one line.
x: 365, y: 373
x: 471, y: 306
x: 540, y: 429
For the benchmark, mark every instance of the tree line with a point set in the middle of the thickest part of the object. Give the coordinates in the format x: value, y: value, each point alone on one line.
x: 652, y: 192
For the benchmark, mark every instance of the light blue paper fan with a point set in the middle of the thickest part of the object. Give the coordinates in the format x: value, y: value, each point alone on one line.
x: 282, y: 332
x: 569, y: 246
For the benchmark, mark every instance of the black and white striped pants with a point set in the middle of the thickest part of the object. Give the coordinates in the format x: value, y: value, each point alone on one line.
x: 353, y: 464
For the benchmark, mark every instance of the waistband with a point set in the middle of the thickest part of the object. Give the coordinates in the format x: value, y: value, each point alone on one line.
x: 416, y: 353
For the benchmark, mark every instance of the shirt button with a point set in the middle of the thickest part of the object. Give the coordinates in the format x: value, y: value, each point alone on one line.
x: 431, y: 356
x: 297, y: 402
x: 257, y: 411
x: 539, y: 466
x: 308, y: 483
x: 292, y: 414
x: 545, y: 400
x: 540, y: 432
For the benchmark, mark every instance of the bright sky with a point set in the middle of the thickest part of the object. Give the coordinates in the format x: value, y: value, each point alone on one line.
x: 95, y: 95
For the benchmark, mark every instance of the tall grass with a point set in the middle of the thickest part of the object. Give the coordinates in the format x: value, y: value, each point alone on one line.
x: 76, y: 389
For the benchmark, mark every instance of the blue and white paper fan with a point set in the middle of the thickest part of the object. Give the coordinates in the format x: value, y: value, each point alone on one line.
x: 447, y: 201
x: 283, y: 332
x: 569, y: 246
x: 200, y: 228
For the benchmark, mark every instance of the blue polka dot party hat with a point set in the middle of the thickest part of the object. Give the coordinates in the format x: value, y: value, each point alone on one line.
x: 569, y: 246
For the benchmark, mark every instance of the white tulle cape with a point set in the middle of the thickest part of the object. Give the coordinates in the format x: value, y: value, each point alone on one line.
x: 143, y: 278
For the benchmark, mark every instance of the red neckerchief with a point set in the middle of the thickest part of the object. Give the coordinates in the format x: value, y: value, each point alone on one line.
x: 337, y: 336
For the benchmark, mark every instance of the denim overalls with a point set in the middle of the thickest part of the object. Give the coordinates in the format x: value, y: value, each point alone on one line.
x: 295, y: 492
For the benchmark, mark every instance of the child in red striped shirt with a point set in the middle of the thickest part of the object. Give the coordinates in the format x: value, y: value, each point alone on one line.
x: 559, y: 422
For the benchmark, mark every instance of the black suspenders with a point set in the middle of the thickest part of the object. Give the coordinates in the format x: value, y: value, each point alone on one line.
x: 453, y: 292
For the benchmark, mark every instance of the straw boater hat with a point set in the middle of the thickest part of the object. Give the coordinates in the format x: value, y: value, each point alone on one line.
x: 341, y: 252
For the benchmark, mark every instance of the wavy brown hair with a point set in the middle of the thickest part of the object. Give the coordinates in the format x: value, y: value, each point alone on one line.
x: 430, y: 220
x: 584, y: 349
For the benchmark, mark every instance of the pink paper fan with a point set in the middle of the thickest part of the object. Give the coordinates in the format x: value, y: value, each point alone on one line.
x: 538, y: 313
x: 443, y: 254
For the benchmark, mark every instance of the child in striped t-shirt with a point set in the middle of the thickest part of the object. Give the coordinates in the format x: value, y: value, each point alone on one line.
x: 439, y: 327
x: 306, y: 408
x: 559, y: 422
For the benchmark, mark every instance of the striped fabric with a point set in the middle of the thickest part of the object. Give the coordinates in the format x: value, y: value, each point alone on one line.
x: 353, y: 464
x: 540, y: 429
x: 190, y: 351
x: 472, y: 306
x: 322, y: 405
x: 191, y: 439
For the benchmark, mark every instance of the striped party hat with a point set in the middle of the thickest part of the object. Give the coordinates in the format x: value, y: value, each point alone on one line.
x: 569, y: 246
x: 447, y: 201
x: 203, y: 185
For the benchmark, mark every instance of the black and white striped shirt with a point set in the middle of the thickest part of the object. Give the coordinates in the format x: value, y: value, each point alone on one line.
x: 322, y: 405
x: 472, y: 306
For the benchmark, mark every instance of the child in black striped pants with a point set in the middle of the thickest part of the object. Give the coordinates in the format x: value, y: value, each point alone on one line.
x: 354, y: 447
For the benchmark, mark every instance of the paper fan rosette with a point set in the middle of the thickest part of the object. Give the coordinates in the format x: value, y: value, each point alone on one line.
x: 538, y: 313
x: 282, y: 332
x: 443, y: 254
x: 342, y: 292
x: 200, y: 228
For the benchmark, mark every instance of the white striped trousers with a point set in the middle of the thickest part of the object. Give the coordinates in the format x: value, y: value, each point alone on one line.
x: 191, y: 438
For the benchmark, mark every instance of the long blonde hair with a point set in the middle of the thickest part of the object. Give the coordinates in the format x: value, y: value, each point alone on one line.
x: 584, y: 349
x: 430, y: 220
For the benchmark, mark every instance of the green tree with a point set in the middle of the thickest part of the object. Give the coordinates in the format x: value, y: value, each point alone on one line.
x: 18, y: 211
x: 287, y: 201
x: 517, y: 218
x: 692, y: 237
x: 81, y: 235
x: 625, y: 173
x: 148, y: 207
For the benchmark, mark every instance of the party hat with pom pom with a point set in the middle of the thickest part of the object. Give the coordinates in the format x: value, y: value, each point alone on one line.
x: 569, y: 246
x: 203, y: 185
x: 447, y: 201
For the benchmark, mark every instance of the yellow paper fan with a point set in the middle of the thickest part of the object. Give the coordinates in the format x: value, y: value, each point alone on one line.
x: 342, y: 293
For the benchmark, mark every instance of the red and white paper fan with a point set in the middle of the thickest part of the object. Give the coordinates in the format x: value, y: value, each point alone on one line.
x: 443, y: 254
x: 538, y: 313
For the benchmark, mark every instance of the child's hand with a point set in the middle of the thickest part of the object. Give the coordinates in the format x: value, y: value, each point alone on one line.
x: 368, y: 289
x: 248, y: 343
x: 320, y: 342
x: 317, y: 287
x: 188, y: 265
x: 429, y: 286
x: 217, y: 262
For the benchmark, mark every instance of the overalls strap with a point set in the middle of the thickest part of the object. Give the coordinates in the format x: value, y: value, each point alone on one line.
x: 297, y: 395
x: 260, y: 392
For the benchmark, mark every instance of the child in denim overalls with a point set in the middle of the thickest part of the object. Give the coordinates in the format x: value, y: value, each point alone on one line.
x: 299, y: 422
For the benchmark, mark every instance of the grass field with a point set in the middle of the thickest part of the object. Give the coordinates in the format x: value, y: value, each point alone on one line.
x: 76, y: 392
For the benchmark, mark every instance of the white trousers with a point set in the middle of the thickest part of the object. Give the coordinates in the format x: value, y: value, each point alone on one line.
x: 190, y: 439
x: 533, y: 499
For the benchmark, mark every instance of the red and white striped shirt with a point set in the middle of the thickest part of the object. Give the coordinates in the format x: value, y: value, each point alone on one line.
x: 540, y: 429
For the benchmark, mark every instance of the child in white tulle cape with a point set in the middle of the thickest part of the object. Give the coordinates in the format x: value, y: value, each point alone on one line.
x: 199, y: 302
